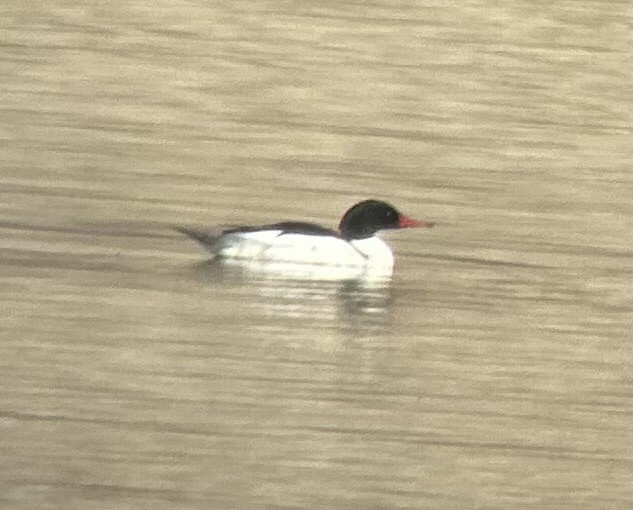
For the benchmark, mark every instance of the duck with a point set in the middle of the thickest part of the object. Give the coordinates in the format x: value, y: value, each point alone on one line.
x: 356, y: 243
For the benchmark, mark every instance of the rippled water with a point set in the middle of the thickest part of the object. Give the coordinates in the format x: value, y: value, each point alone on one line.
x: 492, y: 371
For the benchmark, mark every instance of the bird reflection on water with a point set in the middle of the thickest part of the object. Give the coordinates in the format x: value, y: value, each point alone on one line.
x: 357, y: 305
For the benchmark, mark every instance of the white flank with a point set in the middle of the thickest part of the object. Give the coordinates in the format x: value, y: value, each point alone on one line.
x: 372, y: 254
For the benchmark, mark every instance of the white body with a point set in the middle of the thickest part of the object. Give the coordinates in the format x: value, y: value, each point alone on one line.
x: 371, y: 254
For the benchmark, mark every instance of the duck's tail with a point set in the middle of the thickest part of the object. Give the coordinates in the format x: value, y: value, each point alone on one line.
x: 207, y: 238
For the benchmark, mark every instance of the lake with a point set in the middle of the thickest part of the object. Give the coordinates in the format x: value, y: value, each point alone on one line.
x: 493, y: 370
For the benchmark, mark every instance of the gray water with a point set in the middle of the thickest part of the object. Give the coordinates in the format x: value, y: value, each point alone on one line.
x: 493, y: 371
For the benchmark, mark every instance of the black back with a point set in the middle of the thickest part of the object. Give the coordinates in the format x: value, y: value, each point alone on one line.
x: 288, y: 227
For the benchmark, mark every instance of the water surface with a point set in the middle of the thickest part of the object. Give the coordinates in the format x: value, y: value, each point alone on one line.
x: 492, y: 371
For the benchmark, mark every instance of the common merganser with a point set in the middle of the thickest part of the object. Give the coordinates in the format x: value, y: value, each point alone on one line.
x: 354, y: 244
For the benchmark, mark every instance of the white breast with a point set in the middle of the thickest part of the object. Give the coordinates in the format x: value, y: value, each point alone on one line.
x: 377, y: 253
x: 269, y: 246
